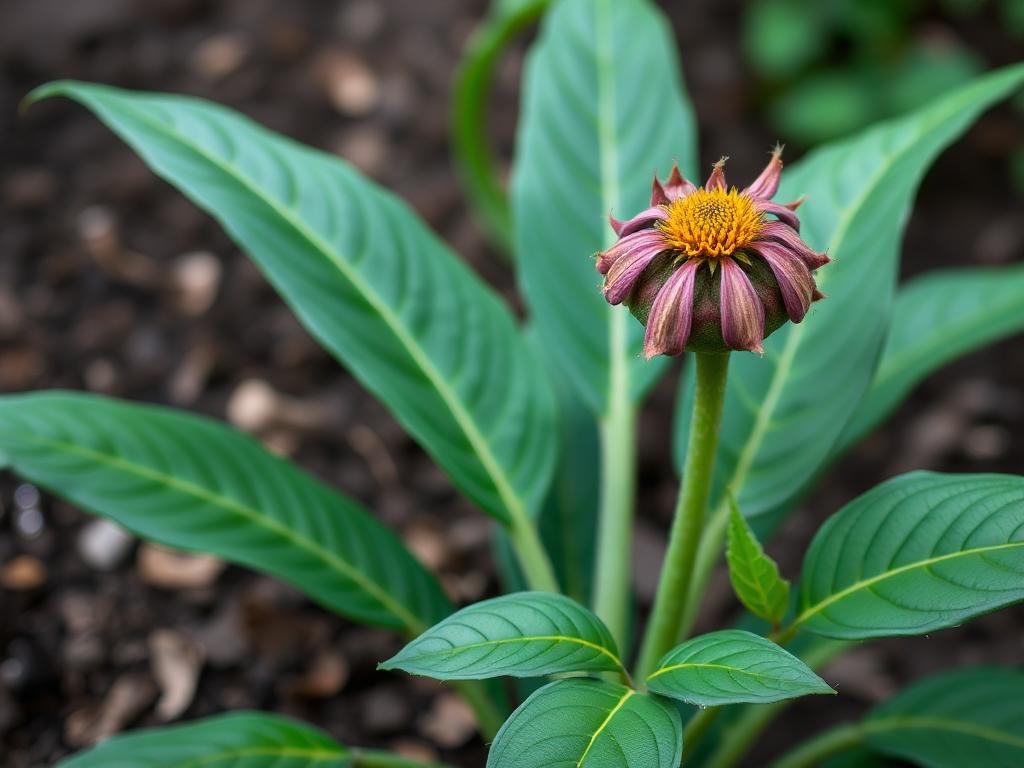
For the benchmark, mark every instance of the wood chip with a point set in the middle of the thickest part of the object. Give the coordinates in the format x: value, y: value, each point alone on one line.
x: 169, y: 569
x: 176, y: 661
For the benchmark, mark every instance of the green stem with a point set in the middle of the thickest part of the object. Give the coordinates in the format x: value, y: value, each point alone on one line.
x: 687, y: 527
x: 708, y: 553
x: 828, y: 744
x: 615, y: 525
x: 745, y: 730
x: 533, y: 558
x: 695, y: 730
x: 474, y: 158
x: 488, y: 716
x: 372, y: 758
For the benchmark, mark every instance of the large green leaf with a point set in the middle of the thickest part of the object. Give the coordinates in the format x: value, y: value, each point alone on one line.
x: 192, y: 483
x: 733, y: 666
x: 918, y: 553
x: 970, y: 717
x: 784, y: 412
x: 240, y: 740
x: 936, y: 319
x: 528, y: 634
x: 754, y: 575
x: 603, y: 109
x: 589, y: 724
x: 368, y: 280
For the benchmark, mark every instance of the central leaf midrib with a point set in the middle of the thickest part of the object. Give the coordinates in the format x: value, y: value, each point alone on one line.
x: 312, y: 754
x: 707, y: 665
x: 510, y: 640
x: 515, y: 505
x: 600, y: 729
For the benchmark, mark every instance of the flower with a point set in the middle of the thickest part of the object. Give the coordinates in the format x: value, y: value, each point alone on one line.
x: 712, y: 268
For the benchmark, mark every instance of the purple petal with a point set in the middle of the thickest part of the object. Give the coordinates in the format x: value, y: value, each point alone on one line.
x: 677, y: 186
x: 626, y: 271
x: 668, y: 325
x: 794, y: 279
x: 782, y: 234
x: 784, y: 214
x: 767, y: 184
x: 717, y: 178
x: 640, y: 239
x: 658, y: 194
x: 642, y: 220
x: 742, y: 311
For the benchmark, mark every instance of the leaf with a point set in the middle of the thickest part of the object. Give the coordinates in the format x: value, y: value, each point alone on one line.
x: 368, y: 280
x: 785, y: 412
x: 589, y: 141
x: 732, y: 666
x: 918, y: 553
x: 527, y: 634
x: 968, y: 717
x: 589, y: 724
x: 194, y: 484
x: 936, y: 319
x: 238, y: 740
x: 754, y: 575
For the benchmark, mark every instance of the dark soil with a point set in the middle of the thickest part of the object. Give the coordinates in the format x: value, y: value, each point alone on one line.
x: 101, y: 290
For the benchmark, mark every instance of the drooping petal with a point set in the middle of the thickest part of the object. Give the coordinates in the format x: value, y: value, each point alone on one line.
x: 795, y: 203
x: 775, y: 232
x: 668, y: 325
x: 767, y: 184
x: 717, y: 178
x: 640, y: 239
x: 742, y: 311
x: 784, y: 214
x: 658, y: 194
x: 627, y: 269
x: 642, y: 220
x: 794, y: 279
x: 677, y: 185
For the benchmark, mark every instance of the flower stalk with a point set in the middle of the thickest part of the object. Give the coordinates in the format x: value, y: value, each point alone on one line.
x: 688, y: 524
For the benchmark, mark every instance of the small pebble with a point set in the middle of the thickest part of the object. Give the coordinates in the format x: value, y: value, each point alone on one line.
x: 23, y: 573
x: 169, y: 569
x: 103, y: 544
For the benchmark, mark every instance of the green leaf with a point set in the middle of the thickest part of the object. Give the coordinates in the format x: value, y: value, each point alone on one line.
x: 194, y: 484
x: 733, y: 666
x: 528, y: 634
x: 368, y: 280
x: 969, y: 717
x: 754, y: 575
x: 918, y: 553
x: 938, y: 318
x: 589, y: 724
x: 785, y: 412
x: 239, y: 740
x: 603, y: 108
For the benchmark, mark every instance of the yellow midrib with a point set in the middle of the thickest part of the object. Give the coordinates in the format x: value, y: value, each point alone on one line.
x: 625, y: 697
x: 524, y: 639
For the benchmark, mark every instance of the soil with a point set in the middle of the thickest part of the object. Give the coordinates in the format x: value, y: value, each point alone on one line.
x: 112, y: 282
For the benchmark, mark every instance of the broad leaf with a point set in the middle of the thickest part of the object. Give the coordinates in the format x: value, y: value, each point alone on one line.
x: 240, y: 740
x: 603, y: 109
x: 528, y: 634
x: 918, y: 553
x: 785, y: 412
x: 969, y: 717
x: 368, y: 280
x: 194, y: 484
x: 733, y: 666
x: 936, y: 319
x: 589, y: 724
x: 754, y: 575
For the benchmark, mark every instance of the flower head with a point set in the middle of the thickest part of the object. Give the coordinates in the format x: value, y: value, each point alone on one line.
x: 712, y: 268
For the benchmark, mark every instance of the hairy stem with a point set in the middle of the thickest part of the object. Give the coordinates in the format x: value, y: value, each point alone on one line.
x: 615, y: 525
x: 687, y: 527
x: 828, y: 744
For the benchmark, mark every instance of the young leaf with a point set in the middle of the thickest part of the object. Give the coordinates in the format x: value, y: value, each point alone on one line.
x: 528, y: 634
x: 754, y: 575
x: 968, y: 717
x: 589, y: 724
x: 589, y: 140
x: 238, y: 740
x: 194, y: 484
x: 733, y: 666
x: 936, y: 319
x: 368, y: 280
x: 784, y: 413
x: 918, y: 553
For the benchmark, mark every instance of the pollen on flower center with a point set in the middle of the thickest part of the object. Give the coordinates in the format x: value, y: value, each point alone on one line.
x: 711, y: 223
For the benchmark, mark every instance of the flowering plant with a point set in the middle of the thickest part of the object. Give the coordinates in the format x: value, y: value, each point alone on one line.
x: 508, y: 412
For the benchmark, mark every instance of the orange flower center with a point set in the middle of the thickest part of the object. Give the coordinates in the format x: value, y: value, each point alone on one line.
x: 711, y: 223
